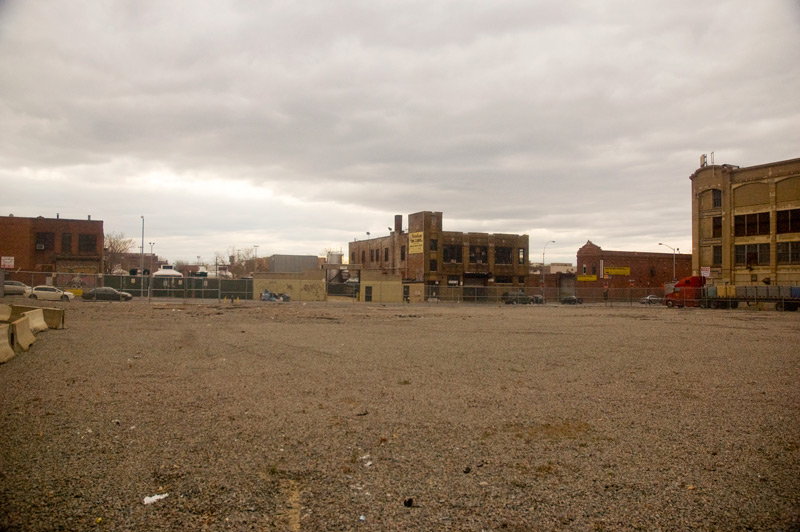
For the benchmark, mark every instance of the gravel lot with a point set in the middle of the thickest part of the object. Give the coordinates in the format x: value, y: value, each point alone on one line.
x: 296, y: 416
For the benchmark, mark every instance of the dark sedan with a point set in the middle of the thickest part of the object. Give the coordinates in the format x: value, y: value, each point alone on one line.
x: 571, y: 300
x: 106, y: 293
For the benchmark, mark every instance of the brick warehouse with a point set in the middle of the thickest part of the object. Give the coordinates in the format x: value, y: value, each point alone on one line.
x: 51, y: 244
x: 599, y: 268
x: 746, y: 223
x: 427, y: 254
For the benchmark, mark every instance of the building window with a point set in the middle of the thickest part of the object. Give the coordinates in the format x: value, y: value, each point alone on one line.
x: 521, y: 279
x: 716, y: 227
x: 352, y: 257
x: 716, y: 195
x: 478, y: 254
x: 789, y: 221
x: 434, y: 244
x: 751, y: 224
x: 502, y: 255
x: 716, y: 255
x: 87, y: 243
x: 434, y: 265
x: 372, y: 255
x: 584, y: 269
x: 788, y: 253
x: 453, y: 253
x: 751, y: 254
x: 363, y: 256
x: 66, y: 242
x: 521, y: 256
x: 386, y: 254
x: 402, y: 253
x: 45, y: 241
x: 594, y: 269
x: 503, y: 280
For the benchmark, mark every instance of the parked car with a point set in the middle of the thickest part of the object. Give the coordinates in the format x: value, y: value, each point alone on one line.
x: 50, y: 293
x: 515, y: 298
x: 106, y: 293
x: 651, y: 300
x: 571, y: 300
x: 16, y: 288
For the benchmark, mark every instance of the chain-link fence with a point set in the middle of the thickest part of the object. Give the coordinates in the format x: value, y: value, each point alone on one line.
x: 548, y: 295
x: 158, y: 287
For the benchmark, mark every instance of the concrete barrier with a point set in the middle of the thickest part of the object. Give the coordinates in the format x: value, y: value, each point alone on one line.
x: 53, y: 317
x: 5, y: 312
x: 36, y: 320
x: 23, y: 337
x: 6, y: 349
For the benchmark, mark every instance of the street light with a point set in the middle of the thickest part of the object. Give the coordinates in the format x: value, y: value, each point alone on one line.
x: 673, y: 259
x: 141, y: 263
x: 255, y: 263
x: 151, y: 256
x: 543, y: 250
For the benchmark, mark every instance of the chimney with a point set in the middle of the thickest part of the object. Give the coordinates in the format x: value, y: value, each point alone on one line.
x: 398, y: 223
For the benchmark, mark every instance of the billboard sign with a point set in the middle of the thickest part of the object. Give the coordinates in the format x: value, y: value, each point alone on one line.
x: 415, y: 242
x: 622, y: 270
x: 587, y: 278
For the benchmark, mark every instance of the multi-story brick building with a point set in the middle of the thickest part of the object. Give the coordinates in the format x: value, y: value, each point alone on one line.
x: 51, y: 244
x: 428, y: 254
x: 746, y: 223
x: 599, y: 268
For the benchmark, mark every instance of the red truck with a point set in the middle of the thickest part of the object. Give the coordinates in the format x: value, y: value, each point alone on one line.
x: 693, y: 292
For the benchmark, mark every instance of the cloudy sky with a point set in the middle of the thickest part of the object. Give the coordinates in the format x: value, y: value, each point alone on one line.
x: 298, y: 126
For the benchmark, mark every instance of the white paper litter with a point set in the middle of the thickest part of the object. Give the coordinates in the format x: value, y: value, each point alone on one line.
x: 154, y: 498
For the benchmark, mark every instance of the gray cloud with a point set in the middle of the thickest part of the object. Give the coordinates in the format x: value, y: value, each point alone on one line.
x: 570, y: 122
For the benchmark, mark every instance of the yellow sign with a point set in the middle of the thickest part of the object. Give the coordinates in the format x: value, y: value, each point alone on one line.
x: 415, y: 242
x: 624, y: 270
x: 587, y: 278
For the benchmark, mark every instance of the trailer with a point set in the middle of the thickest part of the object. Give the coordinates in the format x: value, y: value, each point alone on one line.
x: 693, y: 292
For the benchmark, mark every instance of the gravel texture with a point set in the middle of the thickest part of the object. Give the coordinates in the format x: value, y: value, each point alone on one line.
x: 267, y: 416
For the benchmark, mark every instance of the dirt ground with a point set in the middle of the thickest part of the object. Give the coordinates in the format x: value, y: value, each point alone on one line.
x: 291, y: 416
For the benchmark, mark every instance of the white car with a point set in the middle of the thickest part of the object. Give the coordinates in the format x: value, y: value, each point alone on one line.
x: 50, y: 293
x: 16, y: 288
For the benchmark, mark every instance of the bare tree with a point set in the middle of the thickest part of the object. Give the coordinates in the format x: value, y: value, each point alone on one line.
x: 115, y: 246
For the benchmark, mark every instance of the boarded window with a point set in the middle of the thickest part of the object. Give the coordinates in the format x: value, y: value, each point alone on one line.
x: 87, y: 243
x: 716, y: 227
x: 452, y: 253
x: 503, y: 255
x: 45, y: 241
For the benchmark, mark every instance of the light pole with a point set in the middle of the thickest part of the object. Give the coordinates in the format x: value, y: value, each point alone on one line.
x: 543, y: 250
x: 255, y: 263
x: 673, y: 258
x: 151, y: 256
x: 141, y: 263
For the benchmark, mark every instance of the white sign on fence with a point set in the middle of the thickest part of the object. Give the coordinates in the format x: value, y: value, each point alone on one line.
x: 7, y: 262
x: 705, y: 271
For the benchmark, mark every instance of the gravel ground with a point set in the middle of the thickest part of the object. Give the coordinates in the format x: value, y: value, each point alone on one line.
x: 356, y: 417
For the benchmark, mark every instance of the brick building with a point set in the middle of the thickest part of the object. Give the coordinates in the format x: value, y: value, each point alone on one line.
x: 51, y: 244
x: 430, y: 255
x: 746, y: 223
x: 599, y: 268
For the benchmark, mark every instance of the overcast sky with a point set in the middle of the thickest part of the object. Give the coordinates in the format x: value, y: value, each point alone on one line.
x: 298, y: 126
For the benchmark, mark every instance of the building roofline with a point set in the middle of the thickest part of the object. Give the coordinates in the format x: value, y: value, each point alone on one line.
x: 743, y: 168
